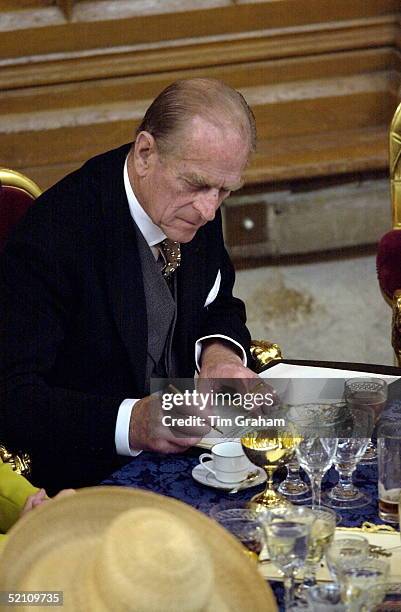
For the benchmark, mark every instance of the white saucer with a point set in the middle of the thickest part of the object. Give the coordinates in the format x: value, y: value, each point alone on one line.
x: 202, y: 475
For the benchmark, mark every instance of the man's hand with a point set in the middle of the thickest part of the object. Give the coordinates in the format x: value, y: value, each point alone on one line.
x: 222, y: 366
x: 220, y: 361
x: 147, y: 431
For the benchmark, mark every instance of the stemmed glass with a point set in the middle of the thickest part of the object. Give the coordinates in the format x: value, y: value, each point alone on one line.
x: 345, y: 495
x: 311, y: 420
x: 367, y: 392
x: 270, y: 449
x: 287, y: 543
x: 316, y: 456
x: 321, y: 536
x: 293, y: 487
x: 245, y: 525
x: 244, y: 521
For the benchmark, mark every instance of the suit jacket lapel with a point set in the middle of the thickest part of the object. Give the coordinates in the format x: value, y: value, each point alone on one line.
x: 190, y: 279
x: 123, y: 269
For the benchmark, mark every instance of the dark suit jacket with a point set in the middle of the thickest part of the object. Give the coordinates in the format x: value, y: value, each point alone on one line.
x: 73, y: 321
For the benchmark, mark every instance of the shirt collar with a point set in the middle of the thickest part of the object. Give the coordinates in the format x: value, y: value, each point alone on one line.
x: 150, y: 231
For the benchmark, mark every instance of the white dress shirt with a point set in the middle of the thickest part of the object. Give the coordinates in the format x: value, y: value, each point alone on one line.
x: 153, y: 235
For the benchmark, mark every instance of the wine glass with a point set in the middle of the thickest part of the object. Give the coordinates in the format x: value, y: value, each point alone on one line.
x: 293, y: 487
x: 287, y: 543
x: 345, y: 495
x: 245, y: 526
x: 316, y: 456
x: 322, y: 534
x: 367, y: 392
x: 269, y: 449
x: 311, y: 419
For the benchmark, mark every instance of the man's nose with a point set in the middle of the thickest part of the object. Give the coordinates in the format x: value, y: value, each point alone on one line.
x: 207, y: 203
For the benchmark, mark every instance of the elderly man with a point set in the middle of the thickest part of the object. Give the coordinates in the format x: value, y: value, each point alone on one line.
x: 93, y: 303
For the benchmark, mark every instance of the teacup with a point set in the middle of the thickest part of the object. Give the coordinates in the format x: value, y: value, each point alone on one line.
x: 226, y: 462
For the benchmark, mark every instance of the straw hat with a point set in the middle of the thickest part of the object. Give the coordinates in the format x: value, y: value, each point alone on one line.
x: 116, y: 549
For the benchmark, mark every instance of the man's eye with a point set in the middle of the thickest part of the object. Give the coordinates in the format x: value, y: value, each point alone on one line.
x: 192, y: 187
x: 198, y: 188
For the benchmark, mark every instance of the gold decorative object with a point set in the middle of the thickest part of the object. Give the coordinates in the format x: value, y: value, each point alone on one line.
x: 263, y: 353
x: 13, y: 178
x: 20, y: 463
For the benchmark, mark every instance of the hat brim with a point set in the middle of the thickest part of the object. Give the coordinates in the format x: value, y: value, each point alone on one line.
x: 88, y: 513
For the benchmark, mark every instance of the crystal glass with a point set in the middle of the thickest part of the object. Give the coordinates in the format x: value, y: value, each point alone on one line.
x: 301, y: 514
x: 346, y: 553
x: 244, y: 524
x: 345, y: 495
x: 389, y: 469
x: 363, y: 392
x: 316, y: 456
x: 293, y: 487
x: 321, y: 536
x: 325, y: 598
x: 313, y: 421
x: 317, y: 419
x: 356, y: 580
x: 287, y: 543
x: 269, y: 449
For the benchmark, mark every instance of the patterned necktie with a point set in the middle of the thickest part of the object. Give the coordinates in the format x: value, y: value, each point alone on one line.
x: 171, y: 252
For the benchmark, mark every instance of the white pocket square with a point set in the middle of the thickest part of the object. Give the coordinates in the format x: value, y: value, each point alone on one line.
x: 214, y: 290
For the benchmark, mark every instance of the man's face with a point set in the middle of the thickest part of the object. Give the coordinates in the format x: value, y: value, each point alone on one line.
x: 181, y: 193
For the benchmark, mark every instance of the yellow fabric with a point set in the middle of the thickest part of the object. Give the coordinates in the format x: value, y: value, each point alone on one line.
x: 14, y: 489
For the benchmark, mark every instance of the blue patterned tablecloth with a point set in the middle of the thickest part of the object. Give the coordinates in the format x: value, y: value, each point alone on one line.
x: 171, y: 475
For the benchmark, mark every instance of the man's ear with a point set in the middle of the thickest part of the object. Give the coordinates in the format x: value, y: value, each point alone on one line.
x: 145, y: 151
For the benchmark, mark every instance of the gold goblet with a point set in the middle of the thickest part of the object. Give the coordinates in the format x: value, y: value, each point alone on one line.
x: 270, y: 449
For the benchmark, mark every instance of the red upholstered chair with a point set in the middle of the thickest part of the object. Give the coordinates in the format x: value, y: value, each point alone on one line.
x: 389, y: 249
x: 17, y: 193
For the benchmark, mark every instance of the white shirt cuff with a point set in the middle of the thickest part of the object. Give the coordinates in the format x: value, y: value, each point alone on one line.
x: 121, y: 436
x: 198, y: 348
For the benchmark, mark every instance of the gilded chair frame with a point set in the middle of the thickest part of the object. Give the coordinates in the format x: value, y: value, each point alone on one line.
x: 395, y: 167
x: 263, y: 353
x: 20, y: 461
x: 395, y: 184
x: 12, y: 178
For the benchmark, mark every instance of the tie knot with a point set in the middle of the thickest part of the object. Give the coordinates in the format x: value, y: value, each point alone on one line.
x: 171, y: 252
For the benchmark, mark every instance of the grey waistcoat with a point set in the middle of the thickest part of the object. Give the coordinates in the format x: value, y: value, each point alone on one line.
x: 161, y: 314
